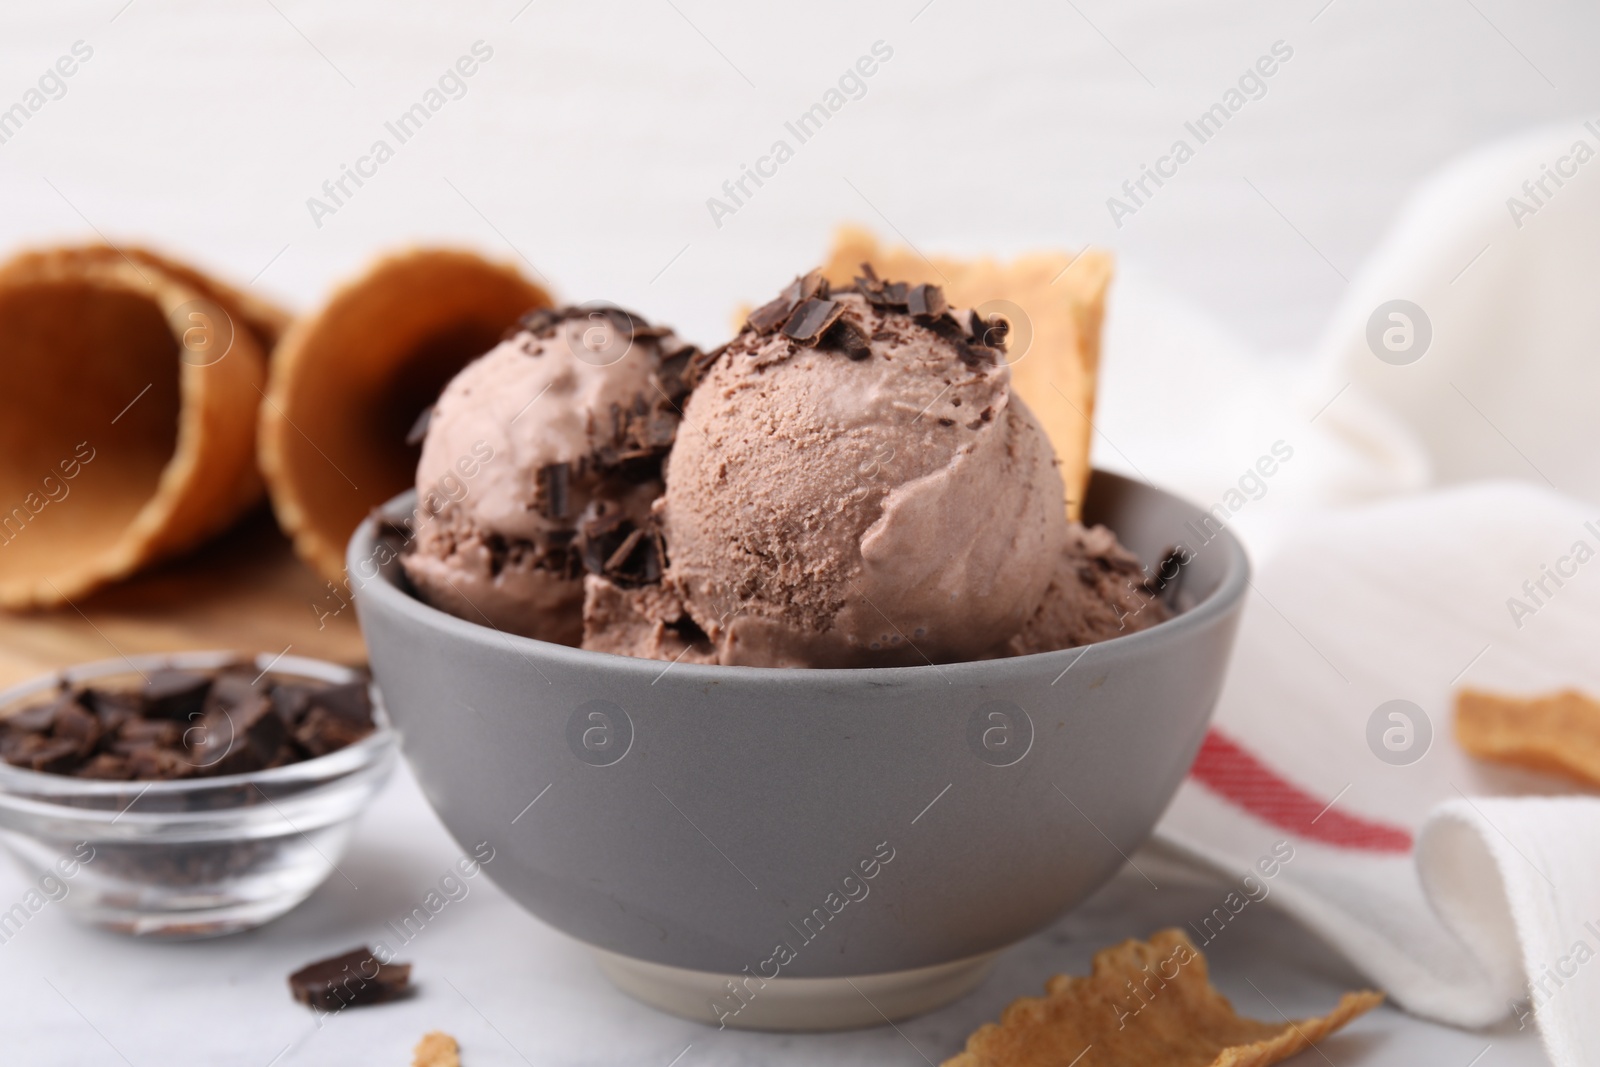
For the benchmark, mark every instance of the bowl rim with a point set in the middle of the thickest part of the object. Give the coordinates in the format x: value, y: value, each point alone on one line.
x: 22, y: 785
x: 387, y: 594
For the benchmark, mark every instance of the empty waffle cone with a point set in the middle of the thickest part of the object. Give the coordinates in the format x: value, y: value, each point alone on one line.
x: 349, y: 382
x: 128, y: 397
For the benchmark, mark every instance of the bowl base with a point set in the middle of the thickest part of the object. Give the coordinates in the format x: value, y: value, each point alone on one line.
x: 750, y: 1003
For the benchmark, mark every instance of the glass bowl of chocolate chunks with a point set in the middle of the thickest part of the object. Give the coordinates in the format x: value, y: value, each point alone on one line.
x: 185, y: 795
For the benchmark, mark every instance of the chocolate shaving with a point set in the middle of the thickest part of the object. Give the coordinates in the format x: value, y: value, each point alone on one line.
x: 991, y: 333
x: 612, y: 545
x: 811, y: 319
x: 555, y: 480
x: 419, y: 429
x: 926, y: 301
x: 619, y: 558
x: 769, y: 316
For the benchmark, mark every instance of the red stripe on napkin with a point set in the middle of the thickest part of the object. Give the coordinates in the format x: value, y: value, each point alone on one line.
x: 1233, y: 772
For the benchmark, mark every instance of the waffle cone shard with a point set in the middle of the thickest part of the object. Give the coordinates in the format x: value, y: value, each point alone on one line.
x: 128, y: 399
x: 1054, y: 346
x: 1144, y: 1004
x: 1555, y: 734
x: 349, y: 381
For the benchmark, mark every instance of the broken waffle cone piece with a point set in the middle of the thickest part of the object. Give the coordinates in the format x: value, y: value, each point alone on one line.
x: 349, y: 382
x: 1145, y: 1003
x: 1559, y: 733
x: 128, y: 399
x: 1054, y: 303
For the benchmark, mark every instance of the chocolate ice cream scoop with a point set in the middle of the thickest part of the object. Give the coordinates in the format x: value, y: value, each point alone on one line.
x: 856, y: 484
x: 541, y: 454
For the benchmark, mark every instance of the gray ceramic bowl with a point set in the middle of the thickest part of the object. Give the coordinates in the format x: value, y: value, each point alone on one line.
x: 736, y: 842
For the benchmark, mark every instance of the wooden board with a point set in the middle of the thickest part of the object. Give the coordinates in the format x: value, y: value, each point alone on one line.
x: 245, y: 591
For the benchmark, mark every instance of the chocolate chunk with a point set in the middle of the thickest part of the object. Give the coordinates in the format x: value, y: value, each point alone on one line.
x: 290, y: 701
x: 627, y: 326
x: 419, y: 429
x: 76, y: 723
x: 322, y: 732
x: 555, y: 480
x: 107, y: 766
x: 159, y: 764
x: 351, y: 702
x: 540, y: 321
x: 349, y: 980
x: 926, y: 301
x: 991, y: 332
x: 618, y: 559
x: 113, y: 707
x: 975, y: 356
x: 39, y: 717
x: 1168, y: 580
x: 147, y: 733
x: 339, y: 715
x: 845, y: 336
x: 174, y: 694
x: 811, y: 319
x: 231, y: 689
x: 237, y: 740
x: 242, y: 723
x: 56, y: 755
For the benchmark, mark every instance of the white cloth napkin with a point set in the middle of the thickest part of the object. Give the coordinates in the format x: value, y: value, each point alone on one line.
x: 1468, y: 891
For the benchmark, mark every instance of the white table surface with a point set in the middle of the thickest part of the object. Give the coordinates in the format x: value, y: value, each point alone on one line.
x: 587, y: 147
x: 513, y: 991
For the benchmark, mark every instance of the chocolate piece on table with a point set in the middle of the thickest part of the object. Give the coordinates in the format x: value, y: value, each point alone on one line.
x: 348, y: 980
x: 174, y: 694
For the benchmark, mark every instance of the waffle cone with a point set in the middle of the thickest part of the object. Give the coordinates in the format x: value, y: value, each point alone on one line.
x: 1055, y: 303
x: 348, y: 382
x: 128, y: 398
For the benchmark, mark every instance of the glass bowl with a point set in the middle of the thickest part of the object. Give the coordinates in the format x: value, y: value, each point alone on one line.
x: 191, y: 858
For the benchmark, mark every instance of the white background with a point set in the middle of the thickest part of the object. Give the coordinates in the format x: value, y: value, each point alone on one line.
x: 592, y: 139
x: 586, y: 148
